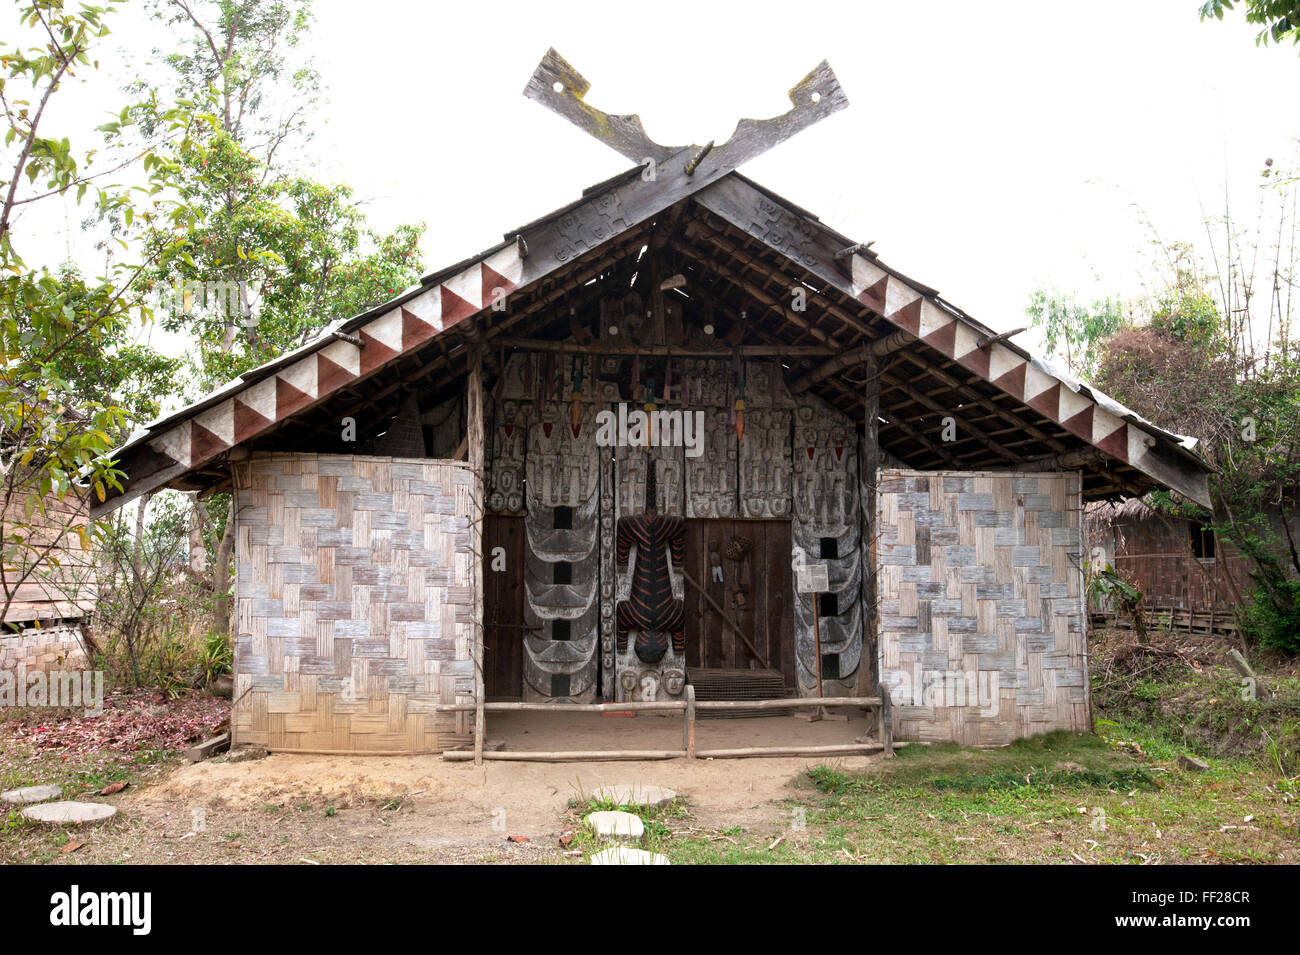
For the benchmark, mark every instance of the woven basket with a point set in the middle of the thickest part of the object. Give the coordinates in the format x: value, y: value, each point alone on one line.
x: 738, y: 548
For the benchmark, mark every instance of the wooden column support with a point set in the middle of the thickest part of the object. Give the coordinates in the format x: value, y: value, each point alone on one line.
x: 688, y: 726
x: 870, y: 469
x: 474, y: 425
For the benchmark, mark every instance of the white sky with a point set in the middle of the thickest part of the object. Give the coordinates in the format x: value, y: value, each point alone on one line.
x: 988, y: 149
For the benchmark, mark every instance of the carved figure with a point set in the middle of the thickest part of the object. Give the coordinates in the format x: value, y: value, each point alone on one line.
x: 650, y: 608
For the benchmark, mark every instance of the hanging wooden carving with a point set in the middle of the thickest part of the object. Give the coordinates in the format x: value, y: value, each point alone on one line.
x: 826, y: 529
x: 710, y: 476
x: 562, y: 574
x: 651, y: 611
x: 669, y: 485
x: 765, y: 465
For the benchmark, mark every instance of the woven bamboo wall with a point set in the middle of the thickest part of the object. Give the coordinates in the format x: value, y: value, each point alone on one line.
x: 43, y: 649
x: 354, y: 603
x: 982, y: 635
x: 58, y: 581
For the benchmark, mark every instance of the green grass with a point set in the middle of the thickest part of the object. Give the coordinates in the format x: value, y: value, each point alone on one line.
x: 1114, y: 798
x: 77, y: 775
x: 1178, y: 710
x: 661, y: 823
x: 1060, y: 798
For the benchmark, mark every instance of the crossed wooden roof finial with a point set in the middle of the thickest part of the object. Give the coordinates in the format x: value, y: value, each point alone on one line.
x: 559, y: 87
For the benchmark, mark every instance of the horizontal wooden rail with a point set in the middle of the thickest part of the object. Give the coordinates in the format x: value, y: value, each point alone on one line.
x: 689, y: 706
x: 564, y: 707
x: 842, y: 749
x: 865, y: 702
x: 573, y: 756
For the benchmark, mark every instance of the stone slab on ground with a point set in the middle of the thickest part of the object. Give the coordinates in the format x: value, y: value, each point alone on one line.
x: 634, y: 794
x: 30, y: 794
x: 70, y: 813
x: 616, y: 825
x: 243, y: 754
x: 624, y: 855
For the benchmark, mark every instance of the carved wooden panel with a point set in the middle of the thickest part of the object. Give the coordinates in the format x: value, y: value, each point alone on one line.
x: 826, y: 529
x: 711, y: 477
x: 563, y: 557
x: 765, y: 475
x: 670, y: 485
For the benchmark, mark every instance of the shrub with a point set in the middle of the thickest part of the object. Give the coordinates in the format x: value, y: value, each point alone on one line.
x: 1274, y: 621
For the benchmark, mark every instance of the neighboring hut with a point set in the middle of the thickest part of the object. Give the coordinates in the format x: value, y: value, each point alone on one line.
x: 1189, y: 577
x: 677, y: 434
x: 49, y: 586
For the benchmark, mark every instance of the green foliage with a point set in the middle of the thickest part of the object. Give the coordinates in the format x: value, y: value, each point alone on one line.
x: 1192, y: 365
x: 1105, y: 583
x: 216, y: 658
x: 1181, y: 711
x: 1280, y: 18
x: 268, y: 257
x: 1190, y: 315
x: 152, y: 614
x: 284, y: 256
x: 1038, y: 764
x: 1074, y: 329
x: 238, y: 53
x: 111, y: 370
x: 1271, y: 618
x: 59, y: 329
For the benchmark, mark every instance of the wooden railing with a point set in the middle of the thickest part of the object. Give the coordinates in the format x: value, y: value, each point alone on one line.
x: 689, y: 706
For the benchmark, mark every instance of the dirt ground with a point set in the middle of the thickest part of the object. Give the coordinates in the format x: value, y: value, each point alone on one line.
x: 330, y: 809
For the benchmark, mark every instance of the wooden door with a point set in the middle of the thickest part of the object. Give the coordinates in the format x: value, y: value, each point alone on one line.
x: 756, y: 593
x: 503, y: 606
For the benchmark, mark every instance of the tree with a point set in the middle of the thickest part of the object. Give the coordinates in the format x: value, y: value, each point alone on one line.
x: 269, y: 260
x: 1279, y: 18
x: 1074, y: 329
x: 47, y: 450
x: 123, y: 373
x: 269, y: 256
x: 237, y: 50
x: 1194, y: 363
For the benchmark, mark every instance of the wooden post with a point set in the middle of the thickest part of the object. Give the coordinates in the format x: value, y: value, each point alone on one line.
x: 870, y: 465
x: 688, y: 728
x: 474, y: 425
x: 886, y: 721
x: 817, y: 653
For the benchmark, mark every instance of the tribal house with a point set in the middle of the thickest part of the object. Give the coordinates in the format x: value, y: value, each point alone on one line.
x: 48, y: 581
x: 679, y: 437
